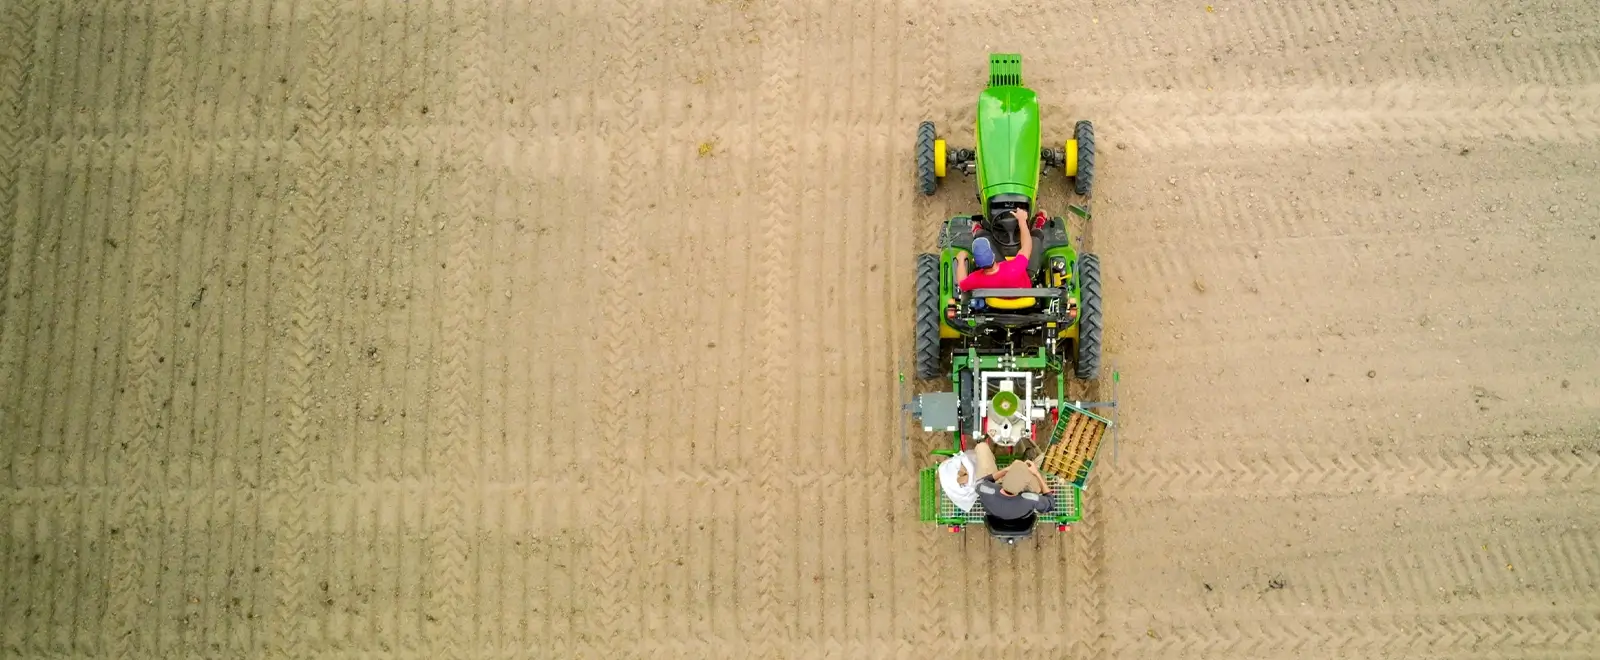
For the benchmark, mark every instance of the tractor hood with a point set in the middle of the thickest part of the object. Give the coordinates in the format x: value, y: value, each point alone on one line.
x: 1007, y: 141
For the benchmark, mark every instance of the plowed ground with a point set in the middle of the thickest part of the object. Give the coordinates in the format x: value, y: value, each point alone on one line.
x: 568, y: 329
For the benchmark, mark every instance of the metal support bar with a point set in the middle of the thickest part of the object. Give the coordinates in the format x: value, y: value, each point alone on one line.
x: 906, y: 407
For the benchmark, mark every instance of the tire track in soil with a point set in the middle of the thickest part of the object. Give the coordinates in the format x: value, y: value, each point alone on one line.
x: 853, y: 299
x: 205, y: 364
x: 141, y: 373
x: 820, y: 569
x: 166, y: 592
x: 336, y: 577
x: 1503, y: 571
x: 83, y: 256
x: 879, y: 407
x: 897, y: 606
x: 492, y: 571
x: 454, y: 610
x: 88, y: 610
x: 525, y: 421
x: 1378, y: 114
x: 612, y: 604
x: 352, y: 566
x: 1393, y: 474
x: 717, y: 441
x: 927, y: 217
x: 15, y: 28
x: 44, y: 233
x: 427, y: 26
x: 18, y: 231
x: 414, y: 583
x: 262, y: 338
x: 1090, y: 560
x: 1320, y: 44
x: 351, y: 317
x: 553, y: 598
x: 1534, y: 634
x: 932, y: 102
x: 773, y: 423
x: 307, y: 214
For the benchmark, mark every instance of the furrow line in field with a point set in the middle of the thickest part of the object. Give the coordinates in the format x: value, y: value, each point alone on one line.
x: 1371, y: 115
x: 610, y: 617
x: 1530, y: 633
x: 35, y: 230
x: 121, y: 466
x: 307, y: 215
x: 262, y: 339
x: 146, y: 377
x: 1512, y: 472
x: 780, y: 97
x: 452, y: 611
x: 68, y: 259
x: 928, y: 213
x: 1090, y: 560
x: 16, y: 24
x: 1507, y: 573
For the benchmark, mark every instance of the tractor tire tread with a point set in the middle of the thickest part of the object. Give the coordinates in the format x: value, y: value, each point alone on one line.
x: 927, y: 179
x: 1083, y: 182
x: 927, y: 321
x: 1091, y: 323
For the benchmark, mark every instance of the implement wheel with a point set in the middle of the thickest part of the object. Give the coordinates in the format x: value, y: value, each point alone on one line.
x: 1083, y: 176
x: 927, y: 166
x: 1087, y: 366
x: 927, y: 322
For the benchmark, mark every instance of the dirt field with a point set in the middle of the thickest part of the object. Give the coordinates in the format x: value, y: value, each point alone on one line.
x: 570, y: 329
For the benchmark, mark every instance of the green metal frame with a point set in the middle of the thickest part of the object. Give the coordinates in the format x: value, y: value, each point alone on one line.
x: 934, y: 507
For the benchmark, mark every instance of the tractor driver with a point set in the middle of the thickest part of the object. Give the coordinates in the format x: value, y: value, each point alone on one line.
x: 993, y: 272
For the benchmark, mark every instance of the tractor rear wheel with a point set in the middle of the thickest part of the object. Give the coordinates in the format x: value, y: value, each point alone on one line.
x: 1090, y: 324
x: 1083, y: 181
x: 927, y: 175
x: 927, y: 323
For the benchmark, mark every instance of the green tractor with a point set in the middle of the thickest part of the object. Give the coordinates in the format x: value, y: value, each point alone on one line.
x: 1005, y: 352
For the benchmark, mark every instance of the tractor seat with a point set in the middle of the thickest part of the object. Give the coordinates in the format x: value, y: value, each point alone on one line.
x: 1011, y: 303
x: 981, y: 299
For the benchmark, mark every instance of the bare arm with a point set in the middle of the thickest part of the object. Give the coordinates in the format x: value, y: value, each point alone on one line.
x: 1023, y: 223
x: 1043, y: 482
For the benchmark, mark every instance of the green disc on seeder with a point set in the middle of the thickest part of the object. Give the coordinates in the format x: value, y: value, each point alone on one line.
x: 1004, y: 403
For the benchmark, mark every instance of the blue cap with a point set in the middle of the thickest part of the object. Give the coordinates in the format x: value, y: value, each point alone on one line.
x: 982, y: 252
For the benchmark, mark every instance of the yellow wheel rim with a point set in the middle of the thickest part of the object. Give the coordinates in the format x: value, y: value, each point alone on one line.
x: 938, y: 158
x: 1072, y: 158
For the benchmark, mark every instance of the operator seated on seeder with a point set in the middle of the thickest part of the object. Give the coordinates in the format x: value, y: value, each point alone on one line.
x: 1012, y: 493
x: 993, y: 272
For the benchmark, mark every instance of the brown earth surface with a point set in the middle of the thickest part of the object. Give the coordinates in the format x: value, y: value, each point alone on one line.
x: 570, y: 329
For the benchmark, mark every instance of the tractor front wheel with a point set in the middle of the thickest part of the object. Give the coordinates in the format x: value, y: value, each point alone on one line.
x: 1090, y: 324
x: 927, y: 167
x: 927, y: 322
x: 1083, y: 178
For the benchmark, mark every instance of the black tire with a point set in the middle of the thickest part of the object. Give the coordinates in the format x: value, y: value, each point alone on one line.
x: 927, y: 179
x: 927, y: 324
x: 1090, y: 323
x: 1083, y: 181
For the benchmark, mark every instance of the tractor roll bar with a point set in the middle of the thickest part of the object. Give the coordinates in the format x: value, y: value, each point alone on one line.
x: 1002, y: 317
x: 1012, y: 293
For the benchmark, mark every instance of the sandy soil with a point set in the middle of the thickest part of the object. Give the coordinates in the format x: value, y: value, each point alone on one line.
x: 570, y: 329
